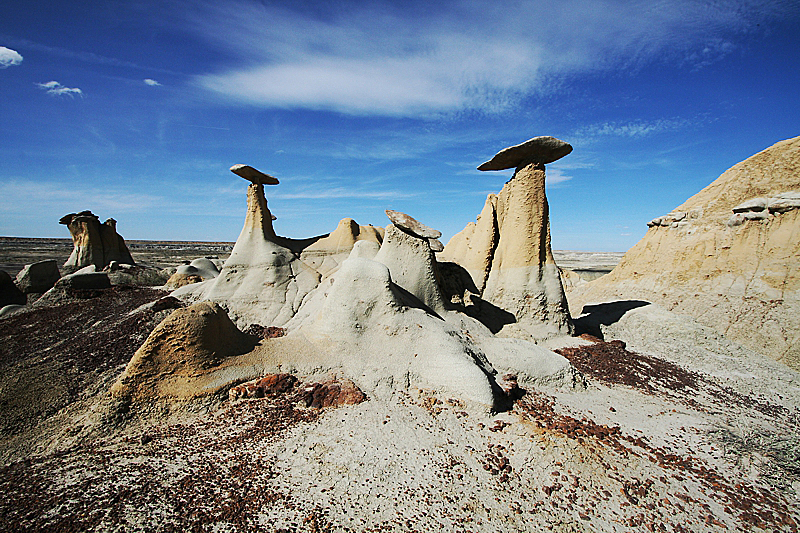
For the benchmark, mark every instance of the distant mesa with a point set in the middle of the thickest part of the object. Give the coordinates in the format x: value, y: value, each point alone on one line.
x: 542, y: 150
x: 255, y: 176
x: 94, y: 243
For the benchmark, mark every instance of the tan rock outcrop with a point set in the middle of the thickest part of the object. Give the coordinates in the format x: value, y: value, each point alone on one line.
x: 507, y: 251
x: 184, y: 358
x: 725, y: 257
x: 327, y: 253
x: 94, y: 243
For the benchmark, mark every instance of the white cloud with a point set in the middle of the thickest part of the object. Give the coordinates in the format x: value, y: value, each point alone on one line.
x: 554, y: 176
x: 56, y: 89
x: 9, y: 57
x: 376, y: 58
x: 635, y: 128
x: 151, y: 82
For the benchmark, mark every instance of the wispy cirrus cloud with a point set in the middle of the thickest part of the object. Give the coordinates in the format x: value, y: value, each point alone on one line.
x: 412, y: 60
x: 9, y: 57
x: 54, y: 88
x: 15, y: 195
x: 342, y: 192
x: 151, y: 82
x: 635, y: 128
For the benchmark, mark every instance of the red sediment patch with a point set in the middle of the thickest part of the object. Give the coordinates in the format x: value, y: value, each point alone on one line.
x: 332, y: 393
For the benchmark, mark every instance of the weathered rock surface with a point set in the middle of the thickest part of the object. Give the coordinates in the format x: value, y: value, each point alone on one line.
x: 508, y: 256
x: 184, y: 358
x: 262, y: 281
x: 200, y: 269
x: 254, y: 176
x: 412, y: 225
x: 332, y: 393
x: 412, y: 266
x: 731, y: 262
x: 38, y: 277
x: 542, y: 150
x: 326, y: 254
x: 259, y: 388
x: 95, y: 243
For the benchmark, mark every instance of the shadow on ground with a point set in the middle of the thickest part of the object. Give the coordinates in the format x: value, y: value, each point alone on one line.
x: 596, y: 315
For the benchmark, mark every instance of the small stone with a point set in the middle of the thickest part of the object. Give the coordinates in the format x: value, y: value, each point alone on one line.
x: 756, y: 215
x: 737, y: 219
x: 333, y: 393
x: 543, y: 149
x: 256, y: 176
x: 436, y: 245
x: 412, y: 225
x: 88, y: 281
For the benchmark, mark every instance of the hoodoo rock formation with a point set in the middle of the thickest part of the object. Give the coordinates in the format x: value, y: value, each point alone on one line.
x: 95, y: 243
x: 262, y: 282
x: 408, y: 255
x: 376, y: 315
x: 728, y: 256
x: 507, y: 251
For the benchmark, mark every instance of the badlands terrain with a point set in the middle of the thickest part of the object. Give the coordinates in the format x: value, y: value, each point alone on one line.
x: 373, y: 379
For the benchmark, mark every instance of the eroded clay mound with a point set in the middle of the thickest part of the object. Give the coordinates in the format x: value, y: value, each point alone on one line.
x: 184, y: 358
x: 727, y: 256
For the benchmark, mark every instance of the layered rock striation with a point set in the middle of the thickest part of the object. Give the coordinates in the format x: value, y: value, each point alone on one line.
x: 94, y: 243
x: 728, y: 256
x: 507, y: 252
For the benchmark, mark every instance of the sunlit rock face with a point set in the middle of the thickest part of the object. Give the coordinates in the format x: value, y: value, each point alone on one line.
x: 728, y: 256
x: 507, y: 252
x: 94, y: 243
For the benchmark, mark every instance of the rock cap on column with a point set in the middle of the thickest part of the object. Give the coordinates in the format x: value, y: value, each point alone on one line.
x: 412, y: 225
x: 256, y: 176
x: 542, y: 149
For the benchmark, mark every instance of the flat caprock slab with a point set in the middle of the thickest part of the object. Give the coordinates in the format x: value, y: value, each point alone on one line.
x: 256, y: 176
x: 543, y: 149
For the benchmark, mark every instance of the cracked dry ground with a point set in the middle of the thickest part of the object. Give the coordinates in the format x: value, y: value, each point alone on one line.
x: 421, y: 462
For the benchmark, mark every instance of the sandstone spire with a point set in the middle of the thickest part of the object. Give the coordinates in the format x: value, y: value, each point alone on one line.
x: 507, y: 252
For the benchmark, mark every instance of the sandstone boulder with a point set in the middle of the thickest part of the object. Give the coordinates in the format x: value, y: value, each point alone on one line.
x: 94, y: 243
x: 254, y: 176
x: 38, y: 277
x: 184, y: 358
x: 201, y: 269
x: 733, y: 266
x: 412, y: 225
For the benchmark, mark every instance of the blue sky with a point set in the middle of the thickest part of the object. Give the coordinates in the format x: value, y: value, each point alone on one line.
x: 137, y: 109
